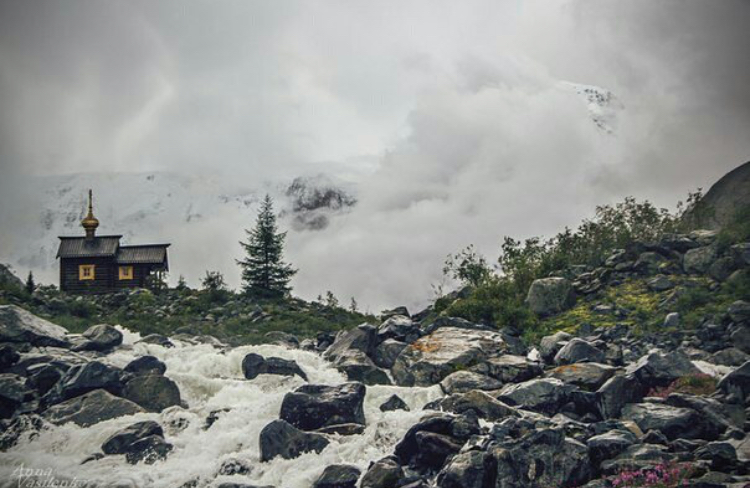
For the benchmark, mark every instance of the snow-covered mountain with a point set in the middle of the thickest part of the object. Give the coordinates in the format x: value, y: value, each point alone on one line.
x: 603, y: 106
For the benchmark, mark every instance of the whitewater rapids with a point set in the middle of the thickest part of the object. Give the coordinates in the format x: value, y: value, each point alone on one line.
x: 211, y: 379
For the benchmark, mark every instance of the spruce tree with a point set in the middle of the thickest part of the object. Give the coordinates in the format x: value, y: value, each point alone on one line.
x: 30, y: 284
x: 264, y: 272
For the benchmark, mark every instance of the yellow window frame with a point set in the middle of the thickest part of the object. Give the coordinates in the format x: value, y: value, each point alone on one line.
x: 125, y: 273
x: 86, y: 272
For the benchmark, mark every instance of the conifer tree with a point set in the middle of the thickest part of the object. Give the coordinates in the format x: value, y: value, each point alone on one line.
x: 264, y: 272
x: 30, y: 284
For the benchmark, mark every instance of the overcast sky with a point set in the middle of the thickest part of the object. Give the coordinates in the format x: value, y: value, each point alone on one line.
x: 450, y: 116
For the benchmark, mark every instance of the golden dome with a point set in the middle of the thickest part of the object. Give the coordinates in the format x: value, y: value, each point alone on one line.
x: 89, y: 222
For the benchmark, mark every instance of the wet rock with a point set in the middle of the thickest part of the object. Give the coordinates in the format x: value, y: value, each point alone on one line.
x: 543, y: 395
x: 737, y: 382
x: 255, y: 364
x: 385, y: 473
x: 152, y: 392
x: 699, y: 260
x: 476, y: 403
x: 42, y: 377
x: 616, y: 392
x: 102, y: 337
x: 157, y: 339
x: 610, y: 444
x: 361, y: 338
x: 394, y: 403
x: 673, y: 422
x: 338, y: 476
x: 589, y: 376
x: 661, y: 369
x: 548, y: 296
x: 142, y: 441
x: 433, y: 357
x: 470, y: 469
x: 13, y: 394
x: 386, y: 353
x: 91, y: 408
x: 8, y: 357
x: 359, y: 367
x: 234, y: 466
x: 428, y: 443
x: 342, y: 429
x: 18, y: 326
x: 510, y: 368
x: 550, y: 344
x: 83, y: 378
x: 578, y: 351
x: 464, y: 381
x: 279, y: 438
x: 540, y: 459
x: 311, y: 407
x: 146, y: 365
x: 13, y: 429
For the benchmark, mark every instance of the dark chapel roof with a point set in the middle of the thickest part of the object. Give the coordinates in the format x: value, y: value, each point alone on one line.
x: 109, y: 246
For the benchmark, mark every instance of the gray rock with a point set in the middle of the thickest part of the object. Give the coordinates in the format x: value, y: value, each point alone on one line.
x: 578, y: 351
x: 146, y: 365
x: 616, y: 392
x: 543, y: 395
x: 470, y: 469
x: 589, y: 376
x: 661, y: 369
x: 13, y: 394
x: 741, y: 338
x: 311, y: 407
x: 737, y: 382
x: 427, y: 444
x: 672, y: 320
x: 91, y: 408
x: 384, y: 473
x: 699, y: 260
x: 18, y: 325
x: 282, y: 338
x: 739, y: 312
x: 722, y: 268
x: 386, y: 314
x: 474, y: 402
x: 8, y: 279
x: 359, y: 367
x: 540, y: 459
x: 433, y: 357
x: 255, y: 364
x: 83, y: 378
x: 730, y: 356
x: 548, y: 296
x: 464, y: 381
x: 342, y: 429
x: 142, y: 441
x: 673, y: 422
x: 610, y: 444
x: 394, y: 402
x: 720, y: 455
x: 361, y: 338
x: 279, y: 438
x: 649, y: 263
x: 716, y: 417
x: 8, y: 357
x: 234, y: 466
x: 637, y: 456
x: 386, y: 353
x: 152, y: 392
x: 550, y: 344
x: 660, y: 283
x: 399, y: 327
x: 157, y: 339
x: 742, y: 253
x: 338, y: 476
x: 510, y: 368
x: 100, y: 337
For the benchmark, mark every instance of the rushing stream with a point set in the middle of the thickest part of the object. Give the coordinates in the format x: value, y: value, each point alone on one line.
x: 211, y: 379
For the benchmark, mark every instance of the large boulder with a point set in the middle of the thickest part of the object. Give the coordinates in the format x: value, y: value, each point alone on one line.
x: 661, y: 369
x: 433, y: 357
x: 83, y: 378
x: 338, y: 476
x: 465, y: 381
x: 610, y: 444
x: 361, y: 338
x: 427, y: 444
x: 720, y: 204
x: 541, y: 459
x: 510, y: 368
x: 589, y: 376
x: 549, y: 345
x: 737, y: 382
x: 548, y: 296
x: 152, y: 392
x: 311, y: 407
x: 142, y: 441
x: 616, y: 392
x: 469, y: 469
x: 394, y: 402
x: 384, y: 473
x: 543, y: 395
x: 399, y: 327
x: 102, y: 337
x: 699, y: 260
x: 18, y: 325
x: 13, y: 394
x: 255, y: 364
x: 146, y: 365
x: 359, y: 367
x: 673, y: 422
x: 279, y: 438
x: 91, y: 408
x: 386, y: 353
x: 579, y: 351
x: 475, y: 402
